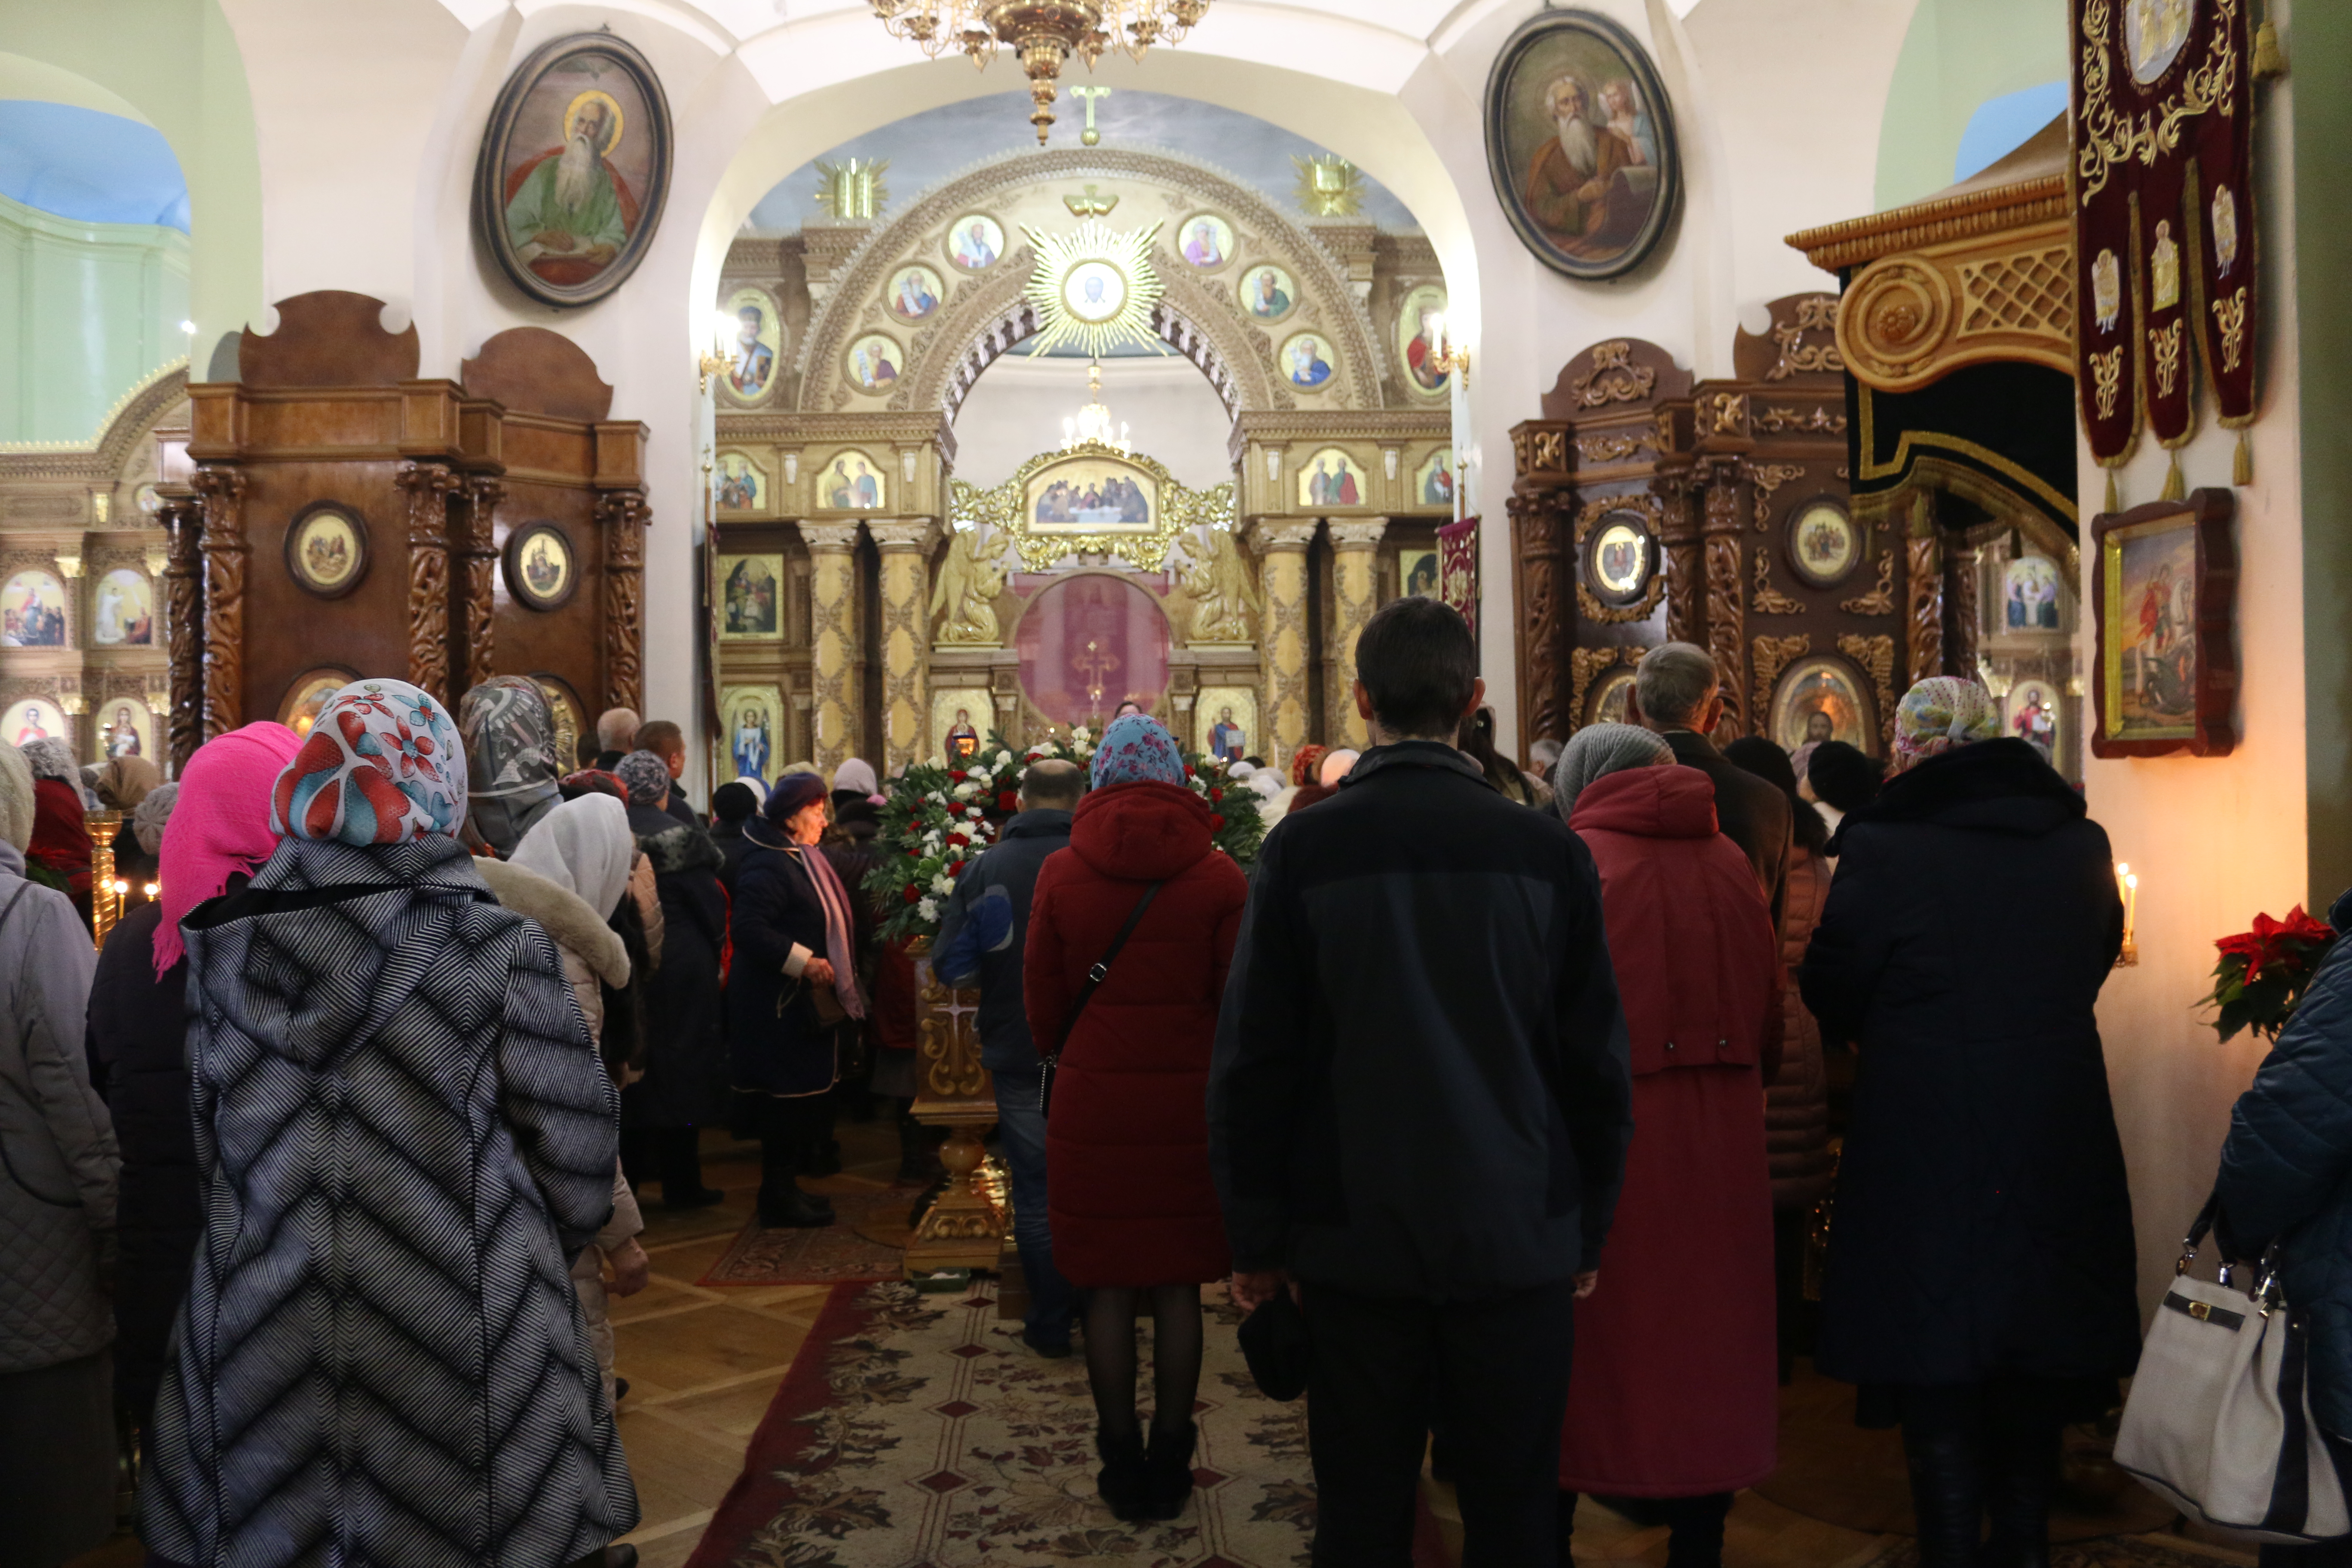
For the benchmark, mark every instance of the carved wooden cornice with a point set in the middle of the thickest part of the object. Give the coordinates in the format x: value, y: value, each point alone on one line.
x: 789, y: 428
x: 1995, y: 210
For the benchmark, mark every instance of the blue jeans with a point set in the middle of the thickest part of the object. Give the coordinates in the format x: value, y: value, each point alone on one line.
x: 1020, y: 1132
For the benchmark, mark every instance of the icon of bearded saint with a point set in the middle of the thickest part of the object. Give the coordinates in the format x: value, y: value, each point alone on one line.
x: 569, y: 212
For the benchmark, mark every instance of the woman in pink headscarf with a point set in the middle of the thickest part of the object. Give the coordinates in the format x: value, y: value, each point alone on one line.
x: 218, y: 833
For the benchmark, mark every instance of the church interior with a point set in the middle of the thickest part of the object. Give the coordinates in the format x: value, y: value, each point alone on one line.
x: 761, y: 367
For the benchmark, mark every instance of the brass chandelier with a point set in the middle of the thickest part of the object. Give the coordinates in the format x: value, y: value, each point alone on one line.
x: 1044, y: 32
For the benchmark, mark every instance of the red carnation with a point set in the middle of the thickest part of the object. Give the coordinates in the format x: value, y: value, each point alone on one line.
x: 914, y: 853
x: 1008, y: 801
x: 1188, y: 770
x: 1216, y: 823
x: 1215, y: 794
x: 958, y: 774
x: 955, y: 867
x: 914, y: 894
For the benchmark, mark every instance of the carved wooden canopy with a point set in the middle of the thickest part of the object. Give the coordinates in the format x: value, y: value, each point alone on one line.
x: 1980, y: 272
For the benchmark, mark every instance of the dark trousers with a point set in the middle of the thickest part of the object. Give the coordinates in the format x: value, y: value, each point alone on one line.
x: 1491, y: 1374
x: 1020, y: 1128
x: 787, y: 1127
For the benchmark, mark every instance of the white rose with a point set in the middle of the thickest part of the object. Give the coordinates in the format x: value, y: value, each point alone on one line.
x: 929, y: 908
x: 965, y: 789
x: 1003, y: 759
x: 942, y: 884
x: 972, y: 812
x: 937, y: 799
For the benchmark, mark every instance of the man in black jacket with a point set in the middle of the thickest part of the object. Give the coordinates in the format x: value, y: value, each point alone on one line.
x: 983, y: 931
x: 1419, y: 1110
x: 1678, y: 693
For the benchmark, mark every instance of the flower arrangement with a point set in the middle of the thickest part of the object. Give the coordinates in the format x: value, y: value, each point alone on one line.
x: 2260, y: 981
x: 938, y: 816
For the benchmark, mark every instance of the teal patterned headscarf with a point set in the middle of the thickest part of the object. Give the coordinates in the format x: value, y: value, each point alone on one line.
x: 382, y: 765
x: 1136, y: 748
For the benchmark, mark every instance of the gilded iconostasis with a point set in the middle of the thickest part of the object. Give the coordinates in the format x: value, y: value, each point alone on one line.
x: 865, y: 594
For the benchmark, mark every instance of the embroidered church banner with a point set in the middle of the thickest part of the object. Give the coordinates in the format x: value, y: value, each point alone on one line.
x: 2163, y: 218
x: 1458, y: 568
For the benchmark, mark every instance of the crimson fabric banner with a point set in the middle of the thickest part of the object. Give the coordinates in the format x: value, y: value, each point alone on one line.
x: 1458, y: 568
x: 2163, y: 216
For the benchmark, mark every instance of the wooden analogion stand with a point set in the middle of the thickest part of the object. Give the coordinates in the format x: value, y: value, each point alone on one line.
x: 967, y: 1227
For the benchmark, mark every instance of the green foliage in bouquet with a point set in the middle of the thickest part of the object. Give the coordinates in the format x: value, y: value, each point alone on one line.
x: 938, y: 816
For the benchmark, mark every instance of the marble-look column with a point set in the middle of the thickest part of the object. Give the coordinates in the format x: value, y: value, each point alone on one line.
x: 1355, y: 584
x: 832, y: 640
x: 1282, y: 578
x: 905, y: 547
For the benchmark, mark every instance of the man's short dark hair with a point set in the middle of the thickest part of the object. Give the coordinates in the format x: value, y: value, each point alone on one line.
x: 733, y: 803
x: 1053, y: 784
x: 1418, y: 661
x: 1843, y: 776
x: 661, y: 738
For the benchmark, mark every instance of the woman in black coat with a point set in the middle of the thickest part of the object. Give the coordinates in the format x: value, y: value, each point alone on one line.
x: 685, y: 1086
x: 792, y: 990
x: 1980, y: 1278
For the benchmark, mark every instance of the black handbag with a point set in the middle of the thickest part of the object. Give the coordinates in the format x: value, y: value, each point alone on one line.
x: 1087, y: 993
x: 1276, y: 1345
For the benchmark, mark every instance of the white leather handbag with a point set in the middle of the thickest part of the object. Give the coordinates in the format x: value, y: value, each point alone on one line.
x: 2218, y: 1422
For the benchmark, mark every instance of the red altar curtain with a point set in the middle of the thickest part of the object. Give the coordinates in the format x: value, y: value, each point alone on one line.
x: 1090, y: 643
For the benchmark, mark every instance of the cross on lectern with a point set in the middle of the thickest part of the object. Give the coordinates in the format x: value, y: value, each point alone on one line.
x: 1094, y: 666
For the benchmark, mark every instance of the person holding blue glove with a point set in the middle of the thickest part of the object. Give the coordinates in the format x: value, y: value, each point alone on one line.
x: 982, y: 933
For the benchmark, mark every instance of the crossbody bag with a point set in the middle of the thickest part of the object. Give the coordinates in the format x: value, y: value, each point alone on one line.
x: 1087, y: 993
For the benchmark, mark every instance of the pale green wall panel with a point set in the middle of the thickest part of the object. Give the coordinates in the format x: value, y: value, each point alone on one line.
x: 1957, y: 54
x: 90, y: 311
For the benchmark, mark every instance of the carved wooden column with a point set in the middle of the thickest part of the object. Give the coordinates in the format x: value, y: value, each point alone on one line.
x: 1282, y: 576
x: 476, y: 508
x: 225, y: 550
x: 184, y: 624
x: 1727, y: 616
x: 1924, y: 577
x: 966, y: 1227
x: 906, y: 549
x: 1355, y: 579
x: 833, y: 639
x: 1539, y: 570
x: 427, y: 488
x: 1960, y: 609
x: 1679, y: 537
x: 623, y: 514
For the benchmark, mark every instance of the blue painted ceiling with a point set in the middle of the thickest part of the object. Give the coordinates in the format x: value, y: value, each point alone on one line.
x: 89, y: 166
x: 926, y: 150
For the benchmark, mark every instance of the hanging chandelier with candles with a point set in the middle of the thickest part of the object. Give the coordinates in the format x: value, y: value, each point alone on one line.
x: 1044, y: 34
x: 1092, y: 427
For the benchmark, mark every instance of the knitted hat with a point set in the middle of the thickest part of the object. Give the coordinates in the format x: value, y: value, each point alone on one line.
x: 1598, y: 749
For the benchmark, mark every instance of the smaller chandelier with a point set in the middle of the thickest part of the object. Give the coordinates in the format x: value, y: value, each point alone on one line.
x: 1043, y: 33
x: 1092, y: 427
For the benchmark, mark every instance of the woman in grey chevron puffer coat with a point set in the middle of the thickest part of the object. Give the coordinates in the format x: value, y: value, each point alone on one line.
x: 406, y: 1135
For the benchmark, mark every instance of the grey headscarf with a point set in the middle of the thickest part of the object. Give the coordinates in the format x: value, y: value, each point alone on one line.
x: 1600, y: 749
x: 51, y: 758
x: 148, y: 817
x: 510, y: 759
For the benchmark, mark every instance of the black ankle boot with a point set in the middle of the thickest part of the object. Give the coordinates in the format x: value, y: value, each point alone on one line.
x: 1170, y: 1466
x: 793, y: 1209
x: 1947, y: 1494
x: 1565, y: 1532
x: 919, y: 1161
x: 1698, y: 1538
x: 1123, y: 1480
x: 2021, y: 1473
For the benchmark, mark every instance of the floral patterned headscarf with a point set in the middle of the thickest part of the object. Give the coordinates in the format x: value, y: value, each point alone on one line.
x: 1137, y: 748
x: 645, y: 777
x: 382, y: 765
x: 1940, y: 713
x: 509, y: 758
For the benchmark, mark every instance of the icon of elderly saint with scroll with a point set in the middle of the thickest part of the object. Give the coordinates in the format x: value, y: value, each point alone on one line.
x: 569, y: 212
x: 1590, y: 187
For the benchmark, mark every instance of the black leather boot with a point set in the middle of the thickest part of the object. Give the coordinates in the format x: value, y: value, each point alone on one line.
x: 1946, y: 1492
x: 1698, y: 1538
x: 1170, y: 1466
x: 1123, y: 1480
x: 1566, y: 1527
x: 2021, y: 1474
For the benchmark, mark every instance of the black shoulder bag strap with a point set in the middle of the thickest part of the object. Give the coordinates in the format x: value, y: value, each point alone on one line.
x: 1087, y: 993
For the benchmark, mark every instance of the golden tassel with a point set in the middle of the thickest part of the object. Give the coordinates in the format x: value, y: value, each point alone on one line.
x: 2270, y: 61
x: 2174, y: 490
x: 2115, y: 502
x: 2241, y: 466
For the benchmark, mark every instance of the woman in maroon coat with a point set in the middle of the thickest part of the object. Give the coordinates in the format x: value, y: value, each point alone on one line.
x: 1673, y: 1394
x: 1127, y: 1144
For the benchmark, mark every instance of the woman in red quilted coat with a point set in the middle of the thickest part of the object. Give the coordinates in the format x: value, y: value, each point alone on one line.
x: 1673, y: 1394
x: 1134, y: 1214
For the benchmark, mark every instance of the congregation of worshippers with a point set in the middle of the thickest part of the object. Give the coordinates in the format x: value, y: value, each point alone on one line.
x: 1498, y: 1098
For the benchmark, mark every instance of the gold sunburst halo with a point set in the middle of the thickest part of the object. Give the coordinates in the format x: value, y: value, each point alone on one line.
x: 1093, y: 256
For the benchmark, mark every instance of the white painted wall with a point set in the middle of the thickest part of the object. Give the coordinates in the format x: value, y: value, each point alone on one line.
x: 1016, y: 408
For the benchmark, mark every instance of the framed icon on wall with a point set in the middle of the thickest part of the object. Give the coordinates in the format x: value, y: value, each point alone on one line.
x: 540, y: 570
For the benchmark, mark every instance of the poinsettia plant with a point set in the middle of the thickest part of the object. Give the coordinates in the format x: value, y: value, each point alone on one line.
x: 2262, y: 973
x: 938, y: 816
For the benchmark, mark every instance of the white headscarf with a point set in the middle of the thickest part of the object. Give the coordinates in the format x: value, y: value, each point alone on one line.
x: 855, y: 773
x: 586, y: 846
x: 759, y: 790
x: 16, y: 797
